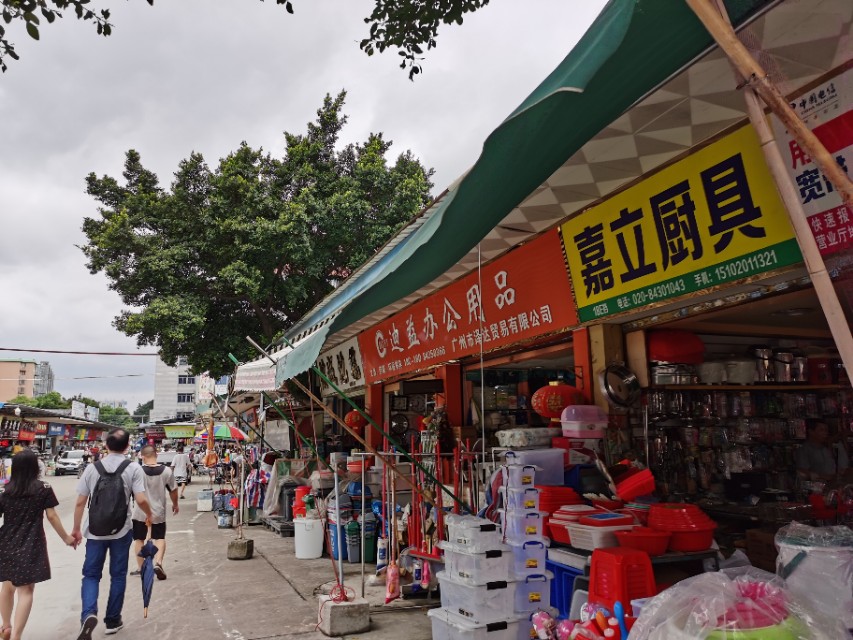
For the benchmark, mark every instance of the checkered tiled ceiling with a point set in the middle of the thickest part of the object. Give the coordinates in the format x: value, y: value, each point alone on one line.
x: 796, y: 41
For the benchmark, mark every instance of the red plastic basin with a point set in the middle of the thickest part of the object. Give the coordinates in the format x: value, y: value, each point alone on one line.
x: 652, y: 542
x: 698, y: 540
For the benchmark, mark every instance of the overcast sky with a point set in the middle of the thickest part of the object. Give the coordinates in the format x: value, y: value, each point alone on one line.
x: 204, y: 75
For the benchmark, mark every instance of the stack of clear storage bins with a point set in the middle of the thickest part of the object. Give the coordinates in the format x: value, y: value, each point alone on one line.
x: 477, y: 595
x: 523, y: 523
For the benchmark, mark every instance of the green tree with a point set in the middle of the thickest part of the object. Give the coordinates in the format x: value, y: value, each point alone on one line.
x: 118, y: 416
x: 250, y: 247
x: 143, y: 411
x: 406, y: 25
x: 50, y: 400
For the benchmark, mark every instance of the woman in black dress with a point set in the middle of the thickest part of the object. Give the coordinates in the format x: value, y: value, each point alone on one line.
x: 23, y: 546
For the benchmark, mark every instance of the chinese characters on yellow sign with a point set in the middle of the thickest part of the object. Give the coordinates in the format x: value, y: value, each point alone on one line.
x: 711, y: 218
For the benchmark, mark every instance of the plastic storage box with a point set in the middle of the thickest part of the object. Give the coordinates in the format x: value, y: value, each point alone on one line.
x: 447, y: 625
x: 550, y: 461
x: 480, y: 604
x: 524, y: 499
x: 476, y: 568
x: 591, y: 538
x: 528, y: 556
x: 476, y: 535
x: 583, y: 421
x: 520, y: 525
x: 519, y: 476
x: 534, y: 592
x: 204, y: 500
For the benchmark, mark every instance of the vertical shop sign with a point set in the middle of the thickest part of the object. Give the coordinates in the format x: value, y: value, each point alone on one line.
x: 343, y: 366
x: 828, y: 111
x: 709, y: 219
x: 522, y: 295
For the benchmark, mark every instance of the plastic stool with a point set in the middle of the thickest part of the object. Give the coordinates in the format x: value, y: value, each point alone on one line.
x: 562, y: 585
x: 620, y: 574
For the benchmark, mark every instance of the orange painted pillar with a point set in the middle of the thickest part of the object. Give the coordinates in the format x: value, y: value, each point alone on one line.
x: 583, y: 362
x: 373, y: 399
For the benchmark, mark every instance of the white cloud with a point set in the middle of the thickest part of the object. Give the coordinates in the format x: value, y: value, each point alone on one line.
x: 203, y: 75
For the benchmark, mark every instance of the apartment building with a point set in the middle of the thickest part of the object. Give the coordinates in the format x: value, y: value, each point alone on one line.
x: 44, y: 380
x: 174, y: 392
x: 17, y: 378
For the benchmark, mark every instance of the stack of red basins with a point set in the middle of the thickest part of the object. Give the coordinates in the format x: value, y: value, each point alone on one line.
x: 551, y: 498
x: 691, y: 529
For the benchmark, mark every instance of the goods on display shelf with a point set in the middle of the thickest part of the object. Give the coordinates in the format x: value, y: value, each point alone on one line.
x: 530, y: 437
x: 549, y: 462
x: 447, y: 625
x: 477, y: 535
x: 583, y: 421
x: 476, y: 568
x: 518, y: 476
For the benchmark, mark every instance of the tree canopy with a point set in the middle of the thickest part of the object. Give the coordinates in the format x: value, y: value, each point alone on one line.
x: 406, y: 25
x: 50, y: 400
x: 249, y: 247
x: 143, y: 411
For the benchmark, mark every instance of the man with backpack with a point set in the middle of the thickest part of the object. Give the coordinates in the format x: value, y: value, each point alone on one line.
x: 107, y: 486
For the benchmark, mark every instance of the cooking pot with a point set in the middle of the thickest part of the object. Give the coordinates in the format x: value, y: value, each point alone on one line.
x: 783, y: 362
x: 711, y: 372
x: 663, y: 374
x: 800, y: 370
x: 740, y: 371
x: 764, y: 362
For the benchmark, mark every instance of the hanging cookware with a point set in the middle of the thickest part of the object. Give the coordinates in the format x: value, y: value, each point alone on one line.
x: 763, y: 362
x: 783, y: 362
x: 671, y: 346
x: 619, y: 385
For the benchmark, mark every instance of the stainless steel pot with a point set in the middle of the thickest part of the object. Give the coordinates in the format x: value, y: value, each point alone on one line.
x: 800, y: 369
x: 711, y: 372
x: 783, y: 363
x: 740, y: 371
x: 764, y: 363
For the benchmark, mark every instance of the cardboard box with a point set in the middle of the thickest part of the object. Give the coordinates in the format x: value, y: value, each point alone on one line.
x: 761, y: 548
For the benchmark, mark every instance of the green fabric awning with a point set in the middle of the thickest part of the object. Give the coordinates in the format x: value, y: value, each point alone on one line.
x: 300, y: 358
x: 631, y: 48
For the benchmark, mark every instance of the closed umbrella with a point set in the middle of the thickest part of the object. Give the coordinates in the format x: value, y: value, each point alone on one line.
x: 149, y: 550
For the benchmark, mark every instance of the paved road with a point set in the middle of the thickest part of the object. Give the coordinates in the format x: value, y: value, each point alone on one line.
x: 271, y: 597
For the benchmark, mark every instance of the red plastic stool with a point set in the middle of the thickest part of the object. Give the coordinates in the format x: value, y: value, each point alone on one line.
x: 620, y: 574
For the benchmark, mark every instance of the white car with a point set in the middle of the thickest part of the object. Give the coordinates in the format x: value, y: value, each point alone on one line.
x: 69, y: 462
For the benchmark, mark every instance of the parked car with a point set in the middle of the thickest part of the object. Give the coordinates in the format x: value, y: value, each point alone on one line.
x: 69, y: 462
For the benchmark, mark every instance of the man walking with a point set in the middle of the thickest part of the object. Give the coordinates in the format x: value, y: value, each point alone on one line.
x: 182, y: 467
x: 159, y: 481
x: 108, y: 486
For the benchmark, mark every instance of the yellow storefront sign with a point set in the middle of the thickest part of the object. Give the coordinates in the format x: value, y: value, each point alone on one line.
x: 712, y: 218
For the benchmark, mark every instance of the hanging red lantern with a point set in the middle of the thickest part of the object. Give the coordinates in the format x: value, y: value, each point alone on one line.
x: 355, y: 421
x: 550, y: 401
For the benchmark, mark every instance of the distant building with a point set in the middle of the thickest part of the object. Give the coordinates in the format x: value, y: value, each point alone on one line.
x: 16, y: 378
x: 174, y: 392
x: 115, y: 404
x: 44, y: 380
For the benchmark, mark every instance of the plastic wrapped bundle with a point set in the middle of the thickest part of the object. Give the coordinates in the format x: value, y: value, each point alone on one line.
x: 817, y: 565
x: 734, y: 604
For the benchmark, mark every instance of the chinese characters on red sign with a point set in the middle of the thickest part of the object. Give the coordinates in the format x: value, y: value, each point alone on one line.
x: 523, y: 294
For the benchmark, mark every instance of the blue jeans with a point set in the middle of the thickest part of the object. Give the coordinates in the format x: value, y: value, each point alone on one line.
x: 93, y: 567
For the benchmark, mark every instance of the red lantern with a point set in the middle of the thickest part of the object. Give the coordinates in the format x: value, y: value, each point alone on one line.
x: 355, y: 421
x: 550, y: 401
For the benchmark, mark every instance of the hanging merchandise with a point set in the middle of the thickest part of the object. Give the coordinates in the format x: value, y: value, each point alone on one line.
x: 417, y: 574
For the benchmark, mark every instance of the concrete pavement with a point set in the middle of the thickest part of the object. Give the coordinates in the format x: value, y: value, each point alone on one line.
x: 271, y: 597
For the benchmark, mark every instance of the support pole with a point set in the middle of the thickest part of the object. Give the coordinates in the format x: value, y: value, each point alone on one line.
x: 717, y: 23
x: 713, y: 15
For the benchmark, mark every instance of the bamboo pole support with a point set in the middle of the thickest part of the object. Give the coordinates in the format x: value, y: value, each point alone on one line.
x: 713, y: 15
x: 756, y: 78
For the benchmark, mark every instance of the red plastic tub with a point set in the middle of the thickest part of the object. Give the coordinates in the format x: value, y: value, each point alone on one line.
x: 638, y: 484
x: 652, y: 542
x: 559, y: 532
x: 698, y: 540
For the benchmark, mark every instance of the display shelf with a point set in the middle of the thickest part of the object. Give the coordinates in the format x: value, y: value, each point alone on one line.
x: 750, y: 387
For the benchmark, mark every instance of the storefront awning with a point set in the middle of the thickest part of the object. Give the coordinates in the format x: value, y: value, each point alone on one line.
x: 631, y: 48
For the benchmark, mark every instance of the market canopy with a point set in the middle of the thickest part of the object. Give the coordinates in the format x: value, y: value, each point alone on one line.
x: 569, y: 144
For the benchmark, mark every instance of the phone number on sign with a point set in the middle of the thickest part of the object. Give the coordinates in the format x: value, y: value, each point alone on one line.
x: 746, y: 266
x: 658, y: 291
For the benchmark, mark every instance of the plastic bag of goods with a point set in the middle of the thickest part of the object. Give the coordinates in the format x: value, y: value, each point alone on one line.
x: 744, y: 603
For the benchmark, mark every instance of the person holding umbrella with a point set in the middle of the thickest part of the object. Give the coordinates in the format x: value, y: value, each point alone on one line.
x: 107, y: 486
x: 159, y: 482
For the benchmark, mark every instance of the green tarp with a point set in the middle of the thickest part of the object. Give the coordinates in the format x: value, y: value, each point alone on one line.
x: 631, y: 48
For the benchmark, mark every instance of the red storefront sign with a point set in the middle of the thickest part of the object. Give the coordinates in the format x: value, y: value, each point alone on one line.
x: 522, y: 295
x: 41, y: 428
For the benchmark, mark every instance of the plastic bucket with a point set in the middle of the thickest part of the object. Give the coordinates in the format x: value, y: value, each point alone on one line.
x: 308, y: 538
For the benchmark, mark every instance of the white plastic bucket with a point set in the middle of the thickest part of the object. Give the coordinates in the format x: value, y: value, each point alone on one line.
x: 308, y: 538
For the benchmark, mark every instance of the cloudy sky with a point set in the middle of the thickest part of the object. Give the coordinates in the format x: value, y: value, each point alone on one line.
x: 204, y: 75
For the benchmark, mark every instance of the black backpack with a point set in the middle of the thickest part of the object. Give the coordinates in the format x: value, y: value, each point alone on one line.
x: 108, y: 504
